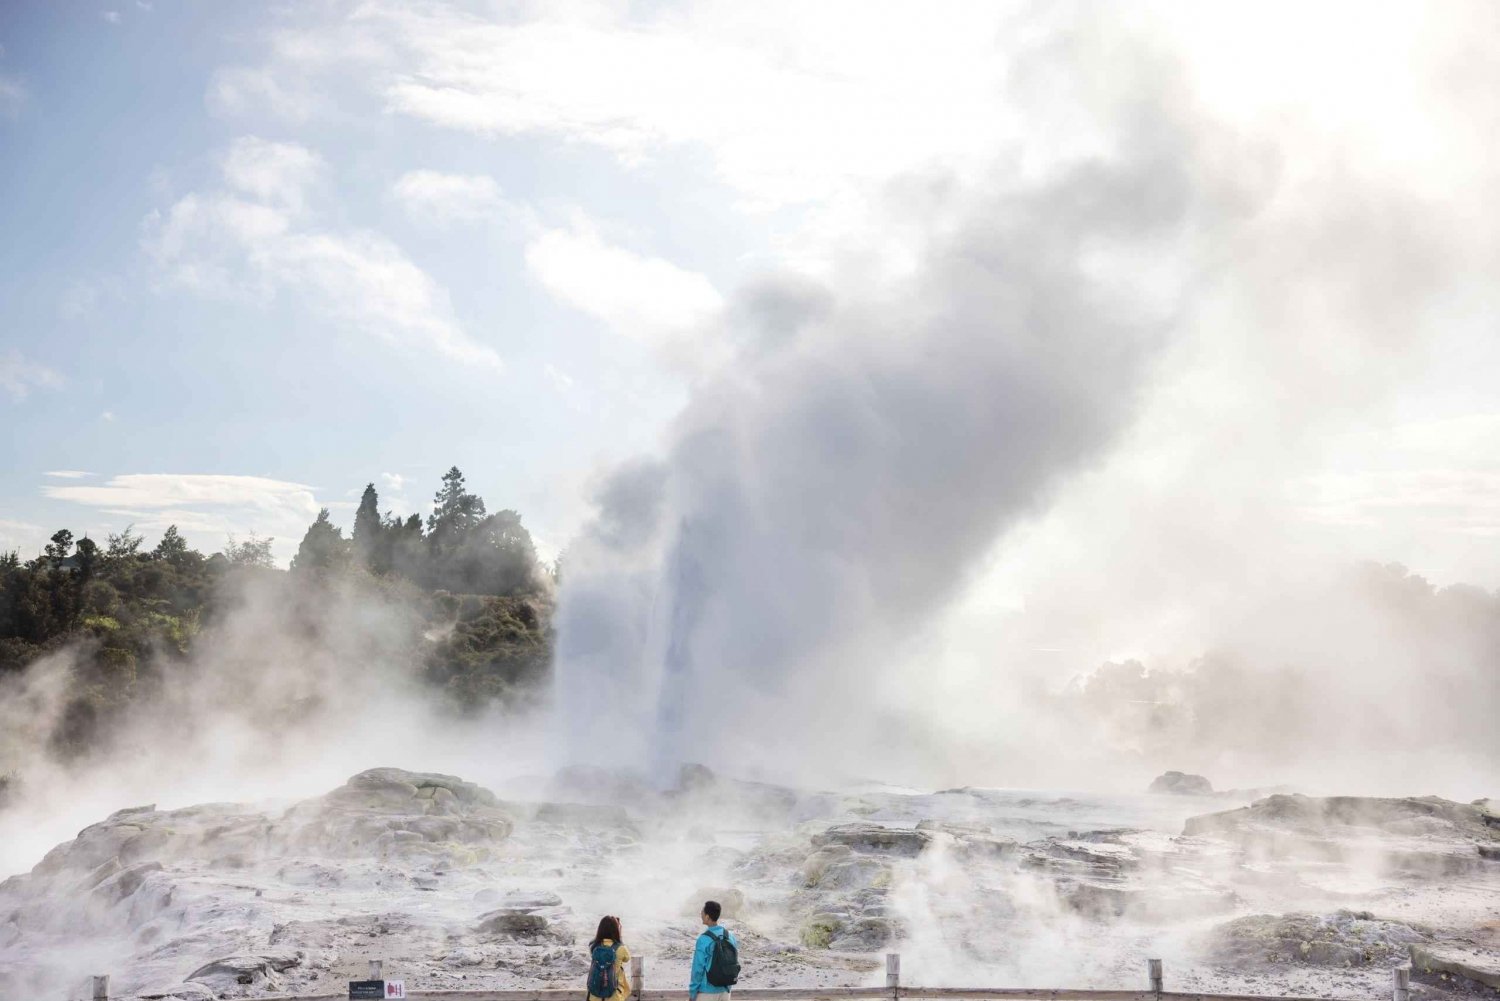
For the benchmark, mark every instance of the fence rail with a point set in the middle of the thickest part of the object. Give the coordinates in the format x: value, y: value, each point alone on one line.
x: 893, y: 990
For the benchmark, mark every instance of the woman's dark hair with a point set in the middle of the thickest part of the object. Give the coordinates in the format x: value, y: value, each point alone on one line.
x: 609, y: 928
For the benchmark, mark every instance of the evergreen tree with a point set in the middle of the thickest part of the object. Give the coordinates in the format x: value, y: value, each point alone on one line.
x: 88, y: 558
x: 455, y: 513
x: 367, y: 529
x: 323, y: 547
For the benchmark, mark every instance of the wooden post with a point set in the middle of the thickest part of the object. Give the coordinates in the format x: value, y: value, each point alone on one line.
x: 637, y: 976
x: 1153, y: 967
x: 893, y: 974
x: 101, y: 988
x: 374, y: 970
x: 1401, y: 983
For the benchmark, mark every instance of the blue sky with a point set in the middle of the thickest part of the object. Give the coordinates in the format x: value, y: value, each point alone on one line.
x: 256, y: 256
x: 120, y: 368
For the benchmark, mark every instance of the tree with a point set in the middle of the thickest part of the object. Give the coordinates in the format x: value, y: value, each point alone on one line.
x: 322, y: 548
x: 253, y: 552
x: 172, y: 548
x: 403, y: 548
x: 57, y: 550
x: 455, y: 513
x: 88, y: 558
x: 495, y: 557
x: 124, y: 546
x: 367, y: 528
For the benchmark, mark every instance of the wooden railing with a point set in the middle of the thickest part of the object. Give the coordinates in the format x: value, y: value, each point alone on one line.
x: 893, y: 990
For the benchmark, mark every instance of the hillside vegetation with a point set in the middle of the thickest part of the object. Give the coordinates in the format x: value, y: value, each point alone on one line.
x: 458, y: 602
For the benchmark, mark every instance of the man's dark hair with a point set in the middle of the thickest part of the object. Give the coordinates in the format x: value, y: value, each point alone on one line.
x: 712, y: 909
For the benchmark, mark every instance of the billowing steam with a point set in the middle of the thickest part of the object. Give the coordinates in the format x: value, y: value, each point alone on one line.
x: 759, y: 591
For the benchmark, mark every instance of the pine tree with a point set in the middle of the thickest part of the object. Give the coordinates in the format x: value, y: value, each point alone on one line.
x: 455, y: 512
x: 367, y: 528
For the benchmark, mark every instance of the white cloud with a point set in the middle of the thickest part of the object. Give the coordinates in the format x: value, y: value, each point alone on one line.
x: 644, y: 297
x: 18, y: 377
x: 68, y: 474
x: 789, y: 99
x: 112, y: 16
x: 432, y: 196
x: 239, y: 90
x: 206, y: 506
x: 20, y: 535
x: 156, y: 491
x: 224, y: 243
x: 394, y: 481
x: 108, y: 416
x: 276, y: 173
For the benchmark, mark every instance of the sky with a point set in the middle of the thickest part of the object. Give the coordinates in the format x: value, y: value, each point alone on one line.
x: 257, y: 256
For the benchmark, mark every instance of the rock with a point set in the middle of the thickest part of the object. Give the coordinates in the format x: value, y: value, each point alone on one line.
x: 875, y: 838
x: 124, y: 882
x: 838, y: 868
x: 1181, y: 784
x: 512, y: 924
x: 1454, y: 960
x: 251, y: 970
x: 864, y: 934
x: 1344, y: 938
x: 1314, y: 815
x: 732, y: 901
x: 819, y: 930
x: 695, y: 776
x: 1420, y: 836
x: 523, y: 901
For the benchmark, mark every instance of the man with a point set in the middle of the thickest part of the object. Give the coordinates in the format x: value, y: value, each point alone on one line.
x: 716, y: 959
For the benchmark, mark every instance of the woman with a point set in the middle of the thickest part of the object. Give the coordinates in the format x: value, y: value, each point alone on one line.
x: 609, y: 963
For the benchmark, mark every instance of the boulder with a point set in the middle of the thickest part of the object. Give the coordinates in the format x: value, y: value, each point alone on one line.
x: 863, y: 934
x: 249, y: 970
x: 512, y: 924
x: 1181, y: 784
x: 1457, y: 961
x: 1343, y: 938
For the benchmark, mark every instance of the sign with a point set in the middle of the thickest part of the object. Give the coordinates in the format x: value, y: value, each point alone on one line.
x: 377, y: 990
x: 395, y: 989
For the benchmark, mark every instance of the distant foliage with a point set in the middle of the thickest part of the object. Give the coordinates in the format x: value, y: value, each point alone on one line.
x: 479, y: 630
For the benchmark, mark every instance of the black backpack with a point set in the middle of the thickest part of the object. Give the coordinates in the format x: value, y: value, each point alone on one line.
x: 724, y: 962
x: 603, y: 982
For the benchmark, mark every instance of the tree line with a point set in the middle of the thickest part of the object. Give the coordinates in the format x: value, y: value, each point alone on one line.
x: 463, y: 549
x: 475, y: 599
